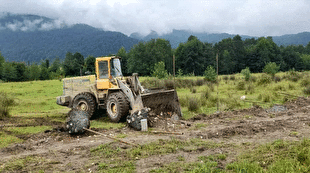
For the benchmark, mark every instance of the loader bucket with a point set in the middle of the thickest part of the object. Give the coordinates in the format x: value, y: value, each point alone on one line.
x: 162, y: 102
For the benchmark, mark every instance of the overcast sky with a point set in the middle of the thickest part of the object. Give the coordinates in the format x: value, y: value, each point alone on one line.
x: 244, y: 17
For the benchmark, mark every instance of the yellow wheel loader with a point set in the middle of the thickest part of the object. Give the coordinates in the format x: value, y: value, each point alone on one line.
x: 121, y: 96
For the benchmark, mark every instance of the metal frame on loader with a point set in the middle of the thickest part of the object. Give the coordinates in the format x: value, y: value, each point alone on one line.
x: 119, y: 95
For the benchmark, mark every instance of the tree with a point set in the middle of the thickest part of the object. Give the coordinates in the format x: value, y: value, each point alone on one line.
x: 159, y: 70
x: 90, y: 64
x: 73, y: 64
x: 20, y: 71
x: 55, y: 65
x: 306, y: 61
x: 290, y: 59
x: 263, y: 52
x: 143, y: 56
x: 246, y: 73
x: 271, y: 68
x: 9, y: 72
x: 33, y: 72
x: 124, y: 58
x: 1, y: 62
x: 210, y: 74
x: 45, y: 63
x: 191, y: 56
x: 44, y: 74
x: 238, y: 53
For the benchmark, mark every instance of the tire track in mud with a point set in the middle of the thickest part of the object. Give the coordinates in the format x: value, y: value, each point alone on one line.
x: 254, y: 125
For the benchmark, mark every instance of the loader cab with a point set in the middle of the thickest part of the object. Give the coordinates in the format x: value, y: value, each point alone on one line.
x: 107, y: 68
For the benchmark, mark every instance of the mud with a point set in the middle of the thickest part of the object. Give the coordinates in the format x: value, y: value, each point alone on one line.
x: 256, y: 125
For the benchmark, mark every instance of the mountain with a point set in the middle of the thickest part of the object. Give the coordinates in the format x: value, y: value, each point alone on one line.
x: 31, y: 38
x: 180, y: 36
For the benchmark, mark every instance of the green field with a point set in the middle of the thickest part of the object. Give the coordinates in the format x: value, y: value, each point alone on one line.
x: 36, y: 99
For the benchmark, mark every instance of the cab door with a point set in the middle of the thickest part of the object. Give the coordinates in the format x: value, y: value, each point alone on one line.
x: 103, y: 74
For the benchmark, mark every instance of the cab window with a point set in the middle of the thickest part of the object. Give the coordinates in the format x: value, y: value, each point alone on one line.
x: 103, y: 70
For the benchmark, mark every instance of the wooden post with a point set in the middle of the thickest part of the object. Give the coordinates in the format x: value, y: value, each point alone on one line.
x: 217, y: 80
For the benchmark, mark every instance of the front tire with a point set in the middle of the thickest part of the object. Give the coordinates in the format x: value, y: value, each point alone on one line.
x: 85, y: 102
x: 117, y: 106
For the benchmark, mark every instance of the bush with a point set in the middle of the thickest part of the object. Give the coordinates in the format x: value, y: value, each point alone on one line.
x: 210, y: 74
x: 253, y: 79
x: 5, y: 103
x: 277, y: 79
x: 246, y: 73
x: 271, y: 68
x: 292, y: 75
x: 206, y: 93
x: 232, y: 77
x: 199, y: 82
x: 264, y: 79
x: 193, y: 90
x: 180, y: 73
x: 241, y: 85
x: 159, y: 70
x: 169, y: 84
x: 225, y: 78
x: 193, y: 104
x: 307, y: 90
x: 250, y: 89
x: 305, y: 82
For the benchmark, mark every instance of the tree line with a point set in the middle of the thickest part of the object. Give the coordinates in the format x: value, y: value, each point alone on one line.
x: 191, y: 58
x: 234, y: 54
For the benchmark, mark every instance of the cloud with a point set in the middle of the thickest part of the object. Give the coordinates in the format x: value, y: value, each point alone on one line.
x: 246, y: 17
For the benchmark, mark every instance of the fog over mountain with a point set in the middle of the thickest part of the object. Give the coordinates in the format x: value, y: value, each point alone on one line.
x: 31, y: 38
x: 244, y: 17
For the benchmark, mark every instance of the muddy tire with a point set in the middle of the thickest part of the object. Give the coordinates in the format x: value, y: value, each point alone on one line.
x: 85, y: 102
x: 117, y: 106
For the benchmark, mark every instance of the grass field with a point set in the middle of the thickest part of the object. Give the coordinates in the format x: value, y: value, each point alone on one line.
x: 36, y: 99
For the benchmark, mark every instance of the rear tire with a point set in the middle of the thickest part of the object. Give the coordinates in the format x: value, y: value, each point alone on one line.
x: 85, y: 102
x: 117, y: 106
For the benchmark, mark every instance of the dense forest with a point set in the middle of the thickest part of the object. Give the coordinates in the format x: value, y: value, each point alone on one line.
x: 191, y: 58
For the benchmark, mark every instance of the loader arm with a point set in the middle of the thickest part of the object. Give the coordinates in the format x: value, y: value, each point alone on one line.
x: 135, y: 100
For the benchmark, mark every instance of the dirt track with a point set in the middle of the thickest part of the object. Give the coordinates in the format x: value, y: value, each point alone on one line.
x: 254, y: 125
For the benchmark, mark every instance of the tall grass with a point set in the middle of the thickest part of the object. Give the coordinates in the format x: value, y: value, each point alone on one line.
x: 6, y: 102
x: 260, y: 89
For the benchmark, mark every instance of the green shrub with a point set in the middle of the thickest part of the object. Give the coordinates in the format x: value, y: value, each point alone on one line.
x: 305, y: 82
x: 193, y: 104
x: 225, y: 78
x: 206, y: 93
x: 271, y: 68
x: 180, y: 73
x: 232, y: 77
x: 210, y: 74
x: 250, y: 89
x: 183, y: 101
x: 246, y: 73
x: 307, y: 90
x: 199, y: 82
x: 291, y: 86
x: 211, y: 86
x: 264, y: 79
x: 253, y: 79
x: 292, y: 75
x: 193, y: 90
x: 159, y: 70
x: 6, y: 102
x: 277, y: 79
x: 169, y: 84
x: 241, y: 85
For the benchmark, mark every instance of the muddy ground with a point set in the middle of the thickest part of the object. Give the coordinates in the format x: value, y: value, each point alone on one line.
x: 249, y: 126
